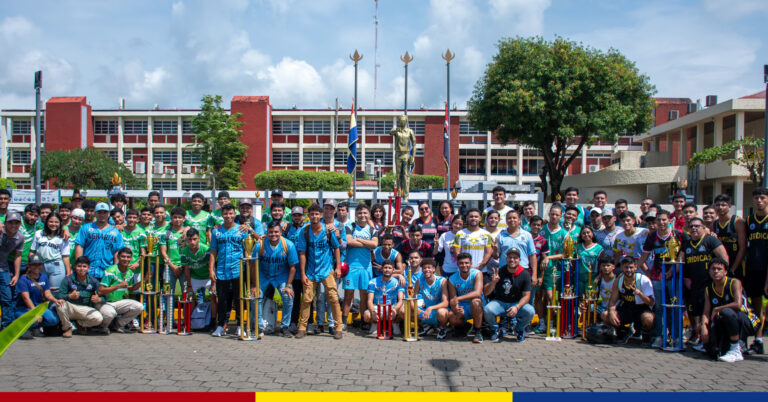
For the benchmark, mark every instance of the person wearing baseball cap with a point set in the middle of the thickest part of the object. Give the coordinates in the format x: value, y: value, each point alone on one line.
x: 245, y: 217
x: 11, y: 245
x: 99, y: 241
x: 34, y: 288
x: 607, y: 235
x: 509, y: 292
x: 276, y: 197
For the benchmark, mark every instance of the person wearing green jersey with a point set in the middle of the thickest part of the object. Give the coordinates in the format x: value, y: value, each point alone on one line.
x: 276, y: 197
x: 44, y: 211
x: 28, y: 229
x: 171, y: 243
x: 89, y: 206
x: 5, y: 199
x: 65, y: 211
x: 194, y: 259
x: 135, y: 238
x: 555, y: 235
x: 588, y: 252
x: 117, y: 282
x: 197, y: 218
x: 153, y: 200
x: 145, y: 219
x: 215, y: 218
x: 570, y: 222
x: 159, y: 232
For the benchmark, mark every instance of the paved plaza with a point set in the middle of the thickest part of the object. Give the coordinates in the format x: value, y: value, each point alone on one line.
x: 138, y: 362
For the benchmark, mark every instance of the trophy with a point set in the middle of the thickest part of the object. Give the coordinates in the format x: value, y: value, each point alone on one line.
x: 411, y: 319
x: 553, y: 334
x: 246, y: 298
x: 569, y: 247
x: 149, y: 288
x: 673, y: 248
x: 674, y: 308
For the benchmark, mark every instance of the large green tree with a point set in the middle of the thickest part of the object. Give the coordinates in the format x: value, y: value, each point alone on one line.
x: 84, y: 168
x: 558, y: 97
x: 217, y: 143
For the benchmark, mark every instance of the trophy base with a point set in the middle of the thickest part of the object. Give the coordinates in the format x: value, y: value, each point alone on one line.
x: 183, y: 333
x: 148, y: 331
x: 553, y: 338
x: 149, y: 293
x: 568, y: 297
x: 411, y: 339
x: 384, y: 338
x: 248, y: 258
x: 250, y: 298
x: 249, y: 338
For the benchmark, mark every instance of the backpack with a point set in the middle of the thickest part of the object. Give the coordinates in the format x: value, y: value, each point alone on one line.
x: 601, y: 333
x: 282, y: 244
x: 201, y: 317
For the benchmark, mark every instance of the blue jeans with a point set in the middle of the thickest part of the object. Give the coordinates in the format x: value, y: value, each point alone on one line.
x: 56, y: 272
x: 323, y: 307
x: 496, y: 308
x: 7, y: 304
x: 279, y: 285
x: 49, y: 317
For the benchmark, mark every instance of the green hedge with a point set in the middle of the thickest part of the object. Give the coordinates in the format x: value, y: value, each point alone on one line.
x: 418, y: 182
x: 5, y: 183
x: 300, y: 180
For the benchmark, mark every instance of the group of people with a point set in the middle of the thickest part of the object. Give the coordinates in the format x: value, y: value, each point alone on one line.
x: 477, y: 273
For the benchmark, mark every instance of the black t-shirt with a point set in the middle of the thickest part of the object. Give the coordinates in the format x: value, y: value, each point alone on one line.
x: 658, y: 246
x: 429, y: 230
x: 728, y: 236
x: 510, y: 288
x: 697, y: 257
x: 757, y: 243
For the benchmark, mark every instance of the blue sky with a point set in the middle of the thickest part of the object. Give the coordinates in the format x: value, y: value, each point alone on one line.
x: 170, y: 53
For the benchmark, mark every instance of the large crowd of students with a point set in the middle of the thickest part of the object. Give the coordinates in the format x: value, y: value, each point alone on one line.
x: 476, y: 273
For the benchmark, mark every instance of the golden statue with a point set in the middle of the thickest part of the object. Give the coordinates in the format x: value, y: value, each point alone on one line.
x: 673, y: 247
x: 404, y: 140
x: 116, y: 180
x: 569, y: 247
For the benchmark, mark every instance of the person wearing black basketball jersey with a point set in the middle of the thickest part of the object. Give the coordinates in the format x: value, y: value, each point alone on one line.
x: 696, y: 250
x: 755, y: 281
x: 732, y: 232
x: 631, y: 300
x: 725, y: 314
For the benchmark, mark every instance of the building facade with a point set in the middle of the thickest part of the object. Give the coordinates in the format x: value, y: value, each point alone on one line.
x: 156, y: 145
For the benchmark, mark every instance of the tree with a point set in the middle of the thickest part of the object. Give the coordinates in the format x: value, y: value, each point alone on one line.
x: 558, y: 97
x: 747, y: 153
x: 217, y: 143
x: 84, y: 168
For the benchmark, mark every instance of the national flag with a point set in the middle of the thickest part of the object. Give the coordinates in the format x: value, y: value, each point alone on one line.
x: 352, y: 144
x: 446, y: 138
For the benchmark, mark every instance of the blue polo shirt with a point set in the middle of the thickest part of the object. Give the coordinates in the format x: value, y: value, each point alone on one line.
x: 100, y: 245
x: 25, y: 285
x: 228, y: 244
x: 320, y: 253
x: 523, y: 241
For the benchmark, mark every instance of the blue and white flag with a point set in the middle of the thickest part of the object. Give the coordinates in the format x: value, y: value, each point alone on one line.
x: 352, y: 143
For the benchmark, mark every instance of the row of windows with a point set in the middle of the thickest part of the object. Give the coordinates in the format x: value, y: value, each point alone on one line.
x: 21, y: 157
x: 170, y: 157
x: 531, y: 167
x: 316, y: 127
x: 466, y: 129
x: 323, y: 158
x: 140, y: 126
x: 127, y: 155
x: 192, y: 185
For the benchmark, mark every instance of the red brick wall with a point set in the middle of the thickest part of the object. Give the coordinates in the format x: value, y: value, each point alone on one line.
x: 433, y: 147
x: 63, y: 123
x: 256, y: 129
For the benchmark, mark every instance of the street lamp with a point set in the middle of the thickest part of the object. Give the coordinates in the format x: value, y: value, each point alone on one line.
x: 765, y: 124
x: 378, y: 164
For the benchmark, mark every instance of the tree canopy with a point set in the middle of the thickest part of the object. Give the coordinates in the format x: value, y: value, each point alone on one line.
x: 558, y: 97
x: 218, y: 144
x: 746, y: 152
x: 84, y: 168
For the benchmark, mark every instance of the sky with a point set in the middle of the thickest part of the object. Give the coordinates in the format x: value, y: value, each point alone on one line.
x: 171, y: 53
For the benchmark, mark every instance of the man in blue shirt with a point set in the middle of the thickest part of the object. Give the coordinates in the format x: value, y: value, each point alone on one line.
x: 385, y: 285
x: 277, y: 267
x: 100, y: 242
x: 361, y: 239
x: 516, y: 237
x: 316, y: 247
x: 224, y: 266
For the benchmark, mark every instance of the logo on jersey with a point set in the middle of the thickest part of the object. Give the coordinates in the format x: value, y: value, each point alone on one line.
x: 752, y: 226
x: 715, y: 301
x: 702, y: 249
x: 688, y: 250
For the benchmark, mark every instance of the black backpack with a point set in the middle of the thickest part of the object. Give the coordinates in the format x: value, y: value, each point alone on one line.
x: 601, y: 333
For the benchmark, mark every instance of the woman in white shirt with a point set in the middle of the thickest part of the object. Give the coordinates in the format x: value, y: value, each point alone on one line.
x: 51, y: 247
x: 444, y: 246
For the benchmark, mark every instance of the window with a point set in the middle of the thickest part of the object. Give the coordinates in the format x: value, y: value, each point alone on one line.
x: 342, y: 127
x: 195, y: 185
x: 340, y: 157
x: 105, y: 127
x: 317, y: 127
x: 466, y: 129
x: 135, y: 126
x: 385, y: 157
x: 190, y: 157
x: 417, y: 126
x: 186, y: 127
x: 127, y: 154
x: 23, y: 184
x: 532, y: 167
x: 471, y: 161
x: 285, y: 127
x: 20, y: 157
x: 21, y: 127
x: 318, y: 158
x: 165, y: 127
x: 503, y: 161
x: 532, y: 153
x: 163, y: 185
x: 504, y: 152
x: 285, y: 158
x: 378, y: 127
x: 167, y: 157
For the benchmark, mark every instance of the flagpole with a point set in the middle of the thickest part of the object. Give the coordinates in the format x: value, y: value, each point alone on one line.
x: 406, y: 58
x: 356, y: 57
x: 448, y: 56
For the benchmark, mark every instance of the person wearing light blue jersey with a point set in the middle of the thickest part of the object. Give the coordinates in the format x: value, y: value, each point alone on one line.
x: 386, y: 251
x: 277, y: 267
x: 515, y: 237
x: 381, y: 287
x: 465, y: 296
x: 100, y: 242
x: 432, y: 293
x: 412, y: 268
x: 336, y: 228
x: 361, y: 239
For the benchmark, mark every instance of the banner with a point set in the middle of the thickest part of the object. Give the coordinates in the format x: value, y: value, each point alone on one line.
x: 28, y: 196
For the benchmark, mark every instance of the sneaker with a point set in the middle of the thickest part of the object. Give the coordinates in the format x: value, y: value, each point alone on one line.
x: 269, y: 330
x: 442, y: 333
x: 657, y: 342
x: 733, y: 355
x: 694, y: 340
x: 37, y: 333
x: 471, y: 331
x: 320, y: 329
x: 27, y: 335
x: 344, y: 327
x: 338, y: 334
x: 238, y: 331
x: 426, y: 330
x: 135, y: 323
x: 396, y: 329
x: 332, y: 330
x: 541, y: 328
x: 700, y: 348
x: 756, y: 349
x: 520, y: 336
x: 365, y: 326
x: 286, y: 332
x: 373, y: 330
x: 497, y: 335
x: 625, y: 338
x: 478, y: 337
x: 300, y: 334
x: 219, y: 331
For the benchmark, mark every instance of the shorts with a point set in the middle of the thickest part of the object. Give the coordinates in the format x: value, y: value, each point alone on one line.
x: 631, y: 313
x: 357, y: 279
x: 600, y: 310
x: 548, y: 282
x: 694, y: 301
x: 754, y: 284
x: 431, y: 320
x: 198, y: 284
x: 467, y: 306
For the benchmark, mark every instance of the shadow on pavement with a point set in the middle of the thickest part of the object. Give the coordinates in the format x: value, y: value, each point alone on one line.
x: 446, y: 366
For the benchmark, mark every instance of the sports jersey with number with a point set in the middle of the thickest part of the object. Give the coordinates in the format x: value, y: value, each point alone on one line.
x: 730, y: 238
x: 197, y: 261
x: 757, y: 246
x: 135, y: 240
x: 275, y: 261
x: 464, y: 286
x: 431, y: 294
x: 171, y: 241
x: 555, y: 239
x: 379, y: 288
x: 698, y: 253
x: 728, y: 297
x: 201, y: 222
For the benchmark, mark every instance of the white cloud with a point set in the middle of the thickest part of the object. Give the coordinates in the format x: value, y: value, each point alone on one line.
x: 732, y: 10
x: 526, y: 16
x: 12, y: 28
x: 294, y: 81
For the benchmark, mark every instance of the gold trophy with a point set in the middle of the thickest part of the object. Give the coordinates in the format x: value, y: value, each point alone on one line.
x: 589, y: 304
x: 569, y: 248
x: 246, y: 298
x: 554, y: 309
x: 673, y: 248
x: 149, y: 291
x: 411, y: 320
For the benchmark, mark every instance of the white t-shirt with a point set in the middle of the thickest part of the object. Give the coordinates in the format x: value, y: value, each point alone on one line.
x: 502, y: 216
x: 444, y: 244
x: 631, y: 245
x: 49, y: 249
x: 474, y: 243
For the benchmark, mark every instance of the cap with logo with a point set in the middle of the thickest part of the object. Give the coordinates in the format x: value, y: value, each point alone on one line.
x: 13, y: 216
x: 102, y: 206
x: 297, y: 211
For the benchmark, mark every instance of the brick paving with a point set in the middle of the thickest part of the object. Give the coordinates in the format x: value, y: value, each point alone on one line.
x: 137, y: 362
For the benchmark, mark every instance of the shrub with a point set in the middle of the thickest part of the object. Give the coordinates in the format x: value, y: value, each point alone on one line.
x: 418, y: 182
x: 300, y: 180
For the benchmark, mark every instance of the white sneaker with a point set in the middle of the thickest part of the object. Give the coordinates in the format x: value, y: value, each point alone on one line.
x: 237, y: 331
x: 657, y: 342
x: 733, y: 355
x: 373, y: 329
x: 135, y: 323
x: 219, y: 331
x: 396, y: 329
x: 700, y: 348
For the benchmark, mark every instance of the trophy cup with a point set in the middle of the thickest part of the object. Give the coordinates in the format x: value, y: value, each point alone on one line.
x: 569, y: 284
x: 553, y: 334
x: 149, y: 295
x: 249, y: 306
x: 411, y: 319
x: 673, y: 340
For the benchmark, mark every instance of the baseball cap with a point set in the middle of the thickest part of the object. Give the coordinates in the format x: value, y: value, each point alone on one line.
x: 596, y: 210
x: 297, y: 210
x: 607, y: 212
x: 13, y: 216
x: 651, y: 215
x: 330, y: 202
x: 246, y: 201
x: 78, y: 212
x: 514, y: 250
x: 276, y: 191
x: 35, y: 259
x: 102, y: 206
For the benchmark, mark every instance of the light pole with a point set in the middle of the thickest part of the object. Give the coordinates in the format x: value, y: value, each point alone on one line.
x: 765, y: 124
x: 378, y: 163
x: 38, y: 186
